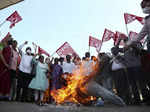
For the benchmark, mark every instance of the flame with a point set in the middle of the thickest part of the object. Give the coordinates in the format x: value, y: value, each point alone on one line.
x: 75, y: 90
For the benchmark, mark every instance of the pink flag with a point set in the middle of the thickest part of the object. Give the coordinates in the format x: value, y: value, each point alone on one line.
x: 66, y: 49
x: 94, y: 42
x: 14, y: 18
x: 130, y: 18
x: 6, y: 37
x: 119, y: 35
x: 107, y: 35
x: 41, y: 51
x: 133, y: 35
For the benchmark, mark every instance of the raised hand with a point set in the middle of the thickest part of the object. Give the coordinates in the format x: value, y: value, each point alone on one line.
x: 26, y: 42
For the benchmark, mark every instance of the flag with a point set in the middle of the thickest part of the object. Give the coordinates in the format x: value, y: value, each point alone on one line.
x: 134, y: 35
x: 41, y: 51
x: 130, y: 18
x: 94, y: 42
x: 14, y: 18
x: 66, y: 49
x: 118, y: 36
x: 107, y: 35
x: 6, y: 37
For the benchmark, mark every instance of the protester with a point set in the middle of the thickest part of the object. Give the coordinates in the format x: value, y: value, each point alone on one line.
x: 13, y: 69
x: 40, y: 82
x: 145, y: 5
x: 24, y: 76
x: 68, y: 66
x: 57, y: 72
x: 87, y: 64
x: 5, y: 59
x: 61, y: 60
x: 120, y: 76
x: 47, y: 94
x: 104, y: 70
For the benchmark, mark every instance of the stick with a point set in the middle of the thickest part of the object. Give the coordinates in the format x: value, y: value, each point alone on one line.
x: 89, y: 49
x: 127, y: 31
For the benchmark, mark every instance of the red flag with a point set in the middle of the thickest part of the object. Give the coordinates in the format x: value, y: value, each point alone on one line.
x: 133, y: 35
x: 94, y: 42
x: 66, y: 49
x: 14, y: 18
x: 6, y: 37
x: 130, y: 18
x: 140, y: 19
x: 107, y: 35
x: 41, y: 51
x: 119, y: 35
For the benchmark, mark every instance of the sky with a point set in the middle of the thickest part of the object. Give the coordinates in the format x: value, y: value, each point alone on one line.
x: 50, y: 23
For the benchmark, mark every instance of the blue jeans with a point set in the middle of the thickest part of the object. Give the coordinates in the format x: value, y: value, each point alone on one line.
x: 94, y: 89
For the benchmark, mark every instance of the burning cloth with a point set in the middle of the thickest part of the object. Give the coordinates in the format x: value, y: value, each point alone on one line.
x: 83, y: 89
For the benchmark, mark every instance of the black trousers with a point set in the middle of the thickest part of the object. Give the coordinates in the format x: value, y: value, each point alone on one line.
x: 134, y: 78
x: 24, y: 80
x: 121, y: 82
x: 144, y: 83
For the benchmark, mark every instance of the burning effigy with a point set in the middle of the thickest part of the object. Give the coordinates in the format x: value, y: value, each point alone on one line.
x: 83, y: 89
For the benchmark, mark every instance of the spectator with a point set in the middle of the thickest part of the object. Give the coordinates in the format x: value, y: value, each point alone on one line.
x: 13, y: 68
x: 40, y: 82
x: 24, y: 76
x: 5, y: 59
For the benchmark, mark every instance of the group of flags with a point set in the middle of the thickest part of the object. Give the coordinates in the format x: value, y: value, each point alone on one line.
x: 65, y: 49
x: 108, y: 34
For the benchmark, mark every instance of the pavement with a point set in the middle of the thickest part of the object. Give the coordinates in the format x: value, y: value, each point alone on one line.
x: 31, y: 107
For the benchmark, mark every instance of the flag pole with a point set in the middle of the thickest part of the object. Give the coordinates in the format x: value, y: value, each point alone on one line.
x: 89, y: 49
x: 2, y: 23
x: 100, y: 48
x: 127, y: 30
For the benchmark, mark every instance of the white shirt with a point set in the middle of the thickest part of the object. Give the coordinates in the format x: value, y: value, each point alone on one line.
x: 68, y: 67
x: 25, y: 64
x: 87, y: 67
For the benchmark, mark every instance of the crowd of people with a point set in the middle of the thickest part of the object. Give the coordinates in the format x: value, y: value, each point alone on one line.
x: 27, y: 76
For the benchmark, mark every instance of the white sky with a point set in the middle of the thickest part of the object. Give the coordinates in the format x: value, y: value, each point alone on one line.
x: 50, y: 23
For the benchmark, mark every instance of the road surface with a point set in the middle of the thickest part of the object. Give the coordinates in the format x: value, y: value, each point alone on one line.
x: 31, y: 107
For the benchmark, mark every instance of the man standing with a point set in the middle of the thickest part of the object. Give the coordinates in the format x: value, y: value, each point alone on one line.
x: 145, y: 5
x: 24, y: 76
x: 68, y: 68
x: 13, y: 69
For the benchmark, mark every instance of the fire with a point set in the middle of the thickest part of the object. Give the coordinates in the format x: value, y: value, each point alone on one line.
x: 75, y: 90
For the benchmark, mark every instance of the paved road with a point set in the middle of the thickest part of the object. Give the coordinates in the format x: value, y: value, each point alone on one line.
x: 29, y: 107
